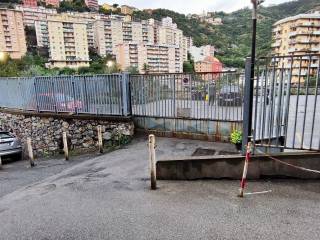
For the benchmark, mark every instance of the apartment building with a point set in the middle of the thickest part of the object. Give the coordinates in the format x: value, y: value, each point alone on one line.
x: 167, y: 33
x: 68, y: 43
x: 54, y: 3
x: 12, y: 36
x: 42, y: 34
x: 92, y: 4
x: 30, y: 3
x: 208, y: 64
x: 298, y: 35
x: 127, y: 10
x: 158, y: 58
x: 113, y: 31
x: 32, y: 14
x: 107, y: 6
x: 199, y: 53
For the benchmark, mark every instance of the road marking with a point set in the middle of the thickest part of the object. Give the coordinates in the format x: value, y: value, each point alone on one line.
x: 255, y: 193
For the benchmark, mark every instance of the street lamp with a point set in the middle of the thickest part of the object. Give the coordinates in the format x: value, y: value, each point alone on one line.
x: 255, y: 4
x: 110, y: 64
x: 3, y: 57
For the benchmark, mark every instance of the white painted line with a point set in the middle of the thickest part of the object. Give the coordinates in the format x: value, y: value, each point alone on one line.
x: 255, y: 193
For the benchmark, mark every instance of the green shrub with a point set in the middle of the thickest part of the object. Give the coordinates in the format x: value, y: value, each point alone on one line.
x: 236, y: 137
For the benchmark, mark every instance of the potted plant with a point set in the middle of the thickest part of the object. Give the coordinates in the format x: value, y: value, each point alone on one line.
x: 236, y: 139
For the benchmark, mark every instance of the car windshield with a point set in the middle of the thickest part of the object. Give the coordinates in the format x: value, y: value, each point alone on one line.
x: 228, y: 89
x: 4, y: 135
x: 62, y: 98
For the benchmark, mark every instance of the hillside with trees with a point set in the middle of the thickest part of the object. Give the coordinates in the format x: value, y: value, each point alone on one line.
x: 233, y: 38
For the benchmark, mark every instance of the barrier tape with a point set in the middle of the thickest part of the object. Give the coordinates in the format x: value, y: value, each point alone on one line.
x: 288, y: 164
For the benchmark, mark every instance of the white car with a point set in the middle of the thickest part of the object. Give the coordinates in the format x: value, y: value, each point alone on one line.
x: 10, y: 145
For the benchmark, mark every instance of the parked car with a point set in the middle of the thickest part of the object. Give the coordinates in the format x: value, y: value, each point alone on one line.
x: 55, y: 102
x: 230, y: 95
x: 198, y: 93
x: 10, y: 145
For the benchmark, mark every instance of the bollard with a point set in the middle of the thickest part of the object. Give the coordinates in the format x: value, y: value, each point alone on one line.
x: 152, y: 158
x: 65, y: 146
x: 100, y: 143
x: 30, y: 152
x: 245, y: 170
x: 0, y: 162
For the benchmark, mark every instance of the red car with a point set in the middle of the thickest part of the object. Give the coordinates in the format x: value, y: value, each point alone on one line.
x: 55, y: 102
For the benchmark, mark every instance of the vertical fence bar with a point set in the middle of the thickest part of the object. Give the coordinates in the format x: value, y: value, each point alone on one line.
x: 125, y: 96
x: 288, y: 98
x: 315, y: 103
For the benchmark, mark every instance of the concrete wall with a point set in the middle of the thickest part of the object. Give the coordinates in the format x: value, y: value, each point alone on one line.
x: 46, y: 129
x: 231, y: 167
x: 210, y: 130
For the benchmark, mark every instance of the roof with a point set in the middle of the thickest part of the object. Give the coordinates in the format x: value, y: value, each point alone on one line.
x: 211, y: 59
x: 300, y: 16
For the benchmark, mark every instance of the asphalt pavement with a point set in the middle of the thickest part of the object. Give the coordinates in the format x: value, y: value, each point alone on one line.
x: 108, y: 197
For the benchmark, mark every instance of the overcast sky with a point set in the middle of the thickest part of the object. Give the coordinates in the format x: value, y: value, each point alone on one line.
x: 191, y: 6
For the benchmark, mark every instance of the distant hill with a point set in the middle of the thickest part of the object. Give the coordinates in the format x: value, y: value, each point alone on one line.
x: 233, y: 38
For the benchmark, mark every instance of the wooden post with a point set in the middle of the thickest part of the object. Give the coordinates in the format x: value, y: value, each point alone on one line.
x: 100, y: 143
x: 152, y: 159
x: 65, y: 145
x: 30, y: 152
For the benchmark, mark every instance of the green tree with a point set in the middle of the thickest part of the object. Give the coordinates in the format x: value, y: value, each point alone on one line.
x: 146, y: 68
x: 188, y: 67
x: 132, y: 70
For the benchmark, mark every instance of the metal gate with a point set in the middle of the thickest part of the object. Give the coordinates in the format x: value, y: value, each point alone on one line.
x: 286, y: 107
x: 209, y: 104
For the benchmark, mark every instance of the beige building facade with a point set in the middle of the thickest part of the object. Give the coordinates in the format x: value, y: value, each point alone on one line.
x: 12, y: 35
x: 68, y: 44
x: 32, y: 14
x: 298, y: 35
x: 157, y: 58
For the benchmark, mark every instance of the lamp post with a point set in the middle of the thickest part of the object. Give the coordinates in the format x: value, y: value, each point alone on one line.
x: 110, y: 65
x: 255, y: 4
x: 3, y: 57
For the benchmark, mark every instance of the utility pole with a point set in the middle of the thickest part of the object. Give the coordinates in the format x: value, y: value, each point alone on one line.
x: 255, y: 4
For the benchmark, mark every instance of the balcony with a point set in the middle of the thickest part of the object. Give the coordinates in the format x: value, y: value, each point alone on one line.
x: 315, y: 49
x: 276, y: 44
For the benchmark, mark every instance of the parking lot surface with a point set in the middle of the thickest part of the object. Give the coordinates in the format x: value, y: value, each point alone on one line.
x: 108, y: 197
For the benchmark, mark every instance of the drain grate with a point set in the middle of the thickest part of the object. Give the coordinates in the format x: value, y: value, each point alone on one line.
x: 203, y: 152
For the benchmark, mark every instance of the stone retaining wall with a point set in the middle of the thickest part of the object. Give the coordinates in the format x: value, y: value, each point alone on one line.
x: 46, y: 130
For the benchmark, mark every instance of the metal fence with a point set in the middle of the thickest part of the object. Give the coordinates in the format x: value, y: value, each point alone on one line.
x: 100, y: 94
x: 200, y: 96
x: 286, y: 103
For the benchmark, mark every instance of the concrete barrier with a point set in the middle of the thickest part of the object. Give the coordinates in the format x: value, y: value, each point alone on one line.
x: 231, y: 167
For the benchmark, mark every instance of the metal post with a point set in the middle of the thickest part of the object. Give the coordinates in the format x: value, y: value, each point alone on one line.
x: 100, y: 143
x: 152, y: 159
x: 252, y: 63
x: 247, y: 115
x: 30, y: 152
x: 245, y: 170
x: 249, y: 88
x: 65, y: 146
x: 0, y: 162
x: 125, y: 95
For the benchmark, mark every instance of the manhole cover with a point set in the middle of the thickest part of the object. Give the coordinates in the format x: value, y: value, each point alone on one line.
x: 203, y: 152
